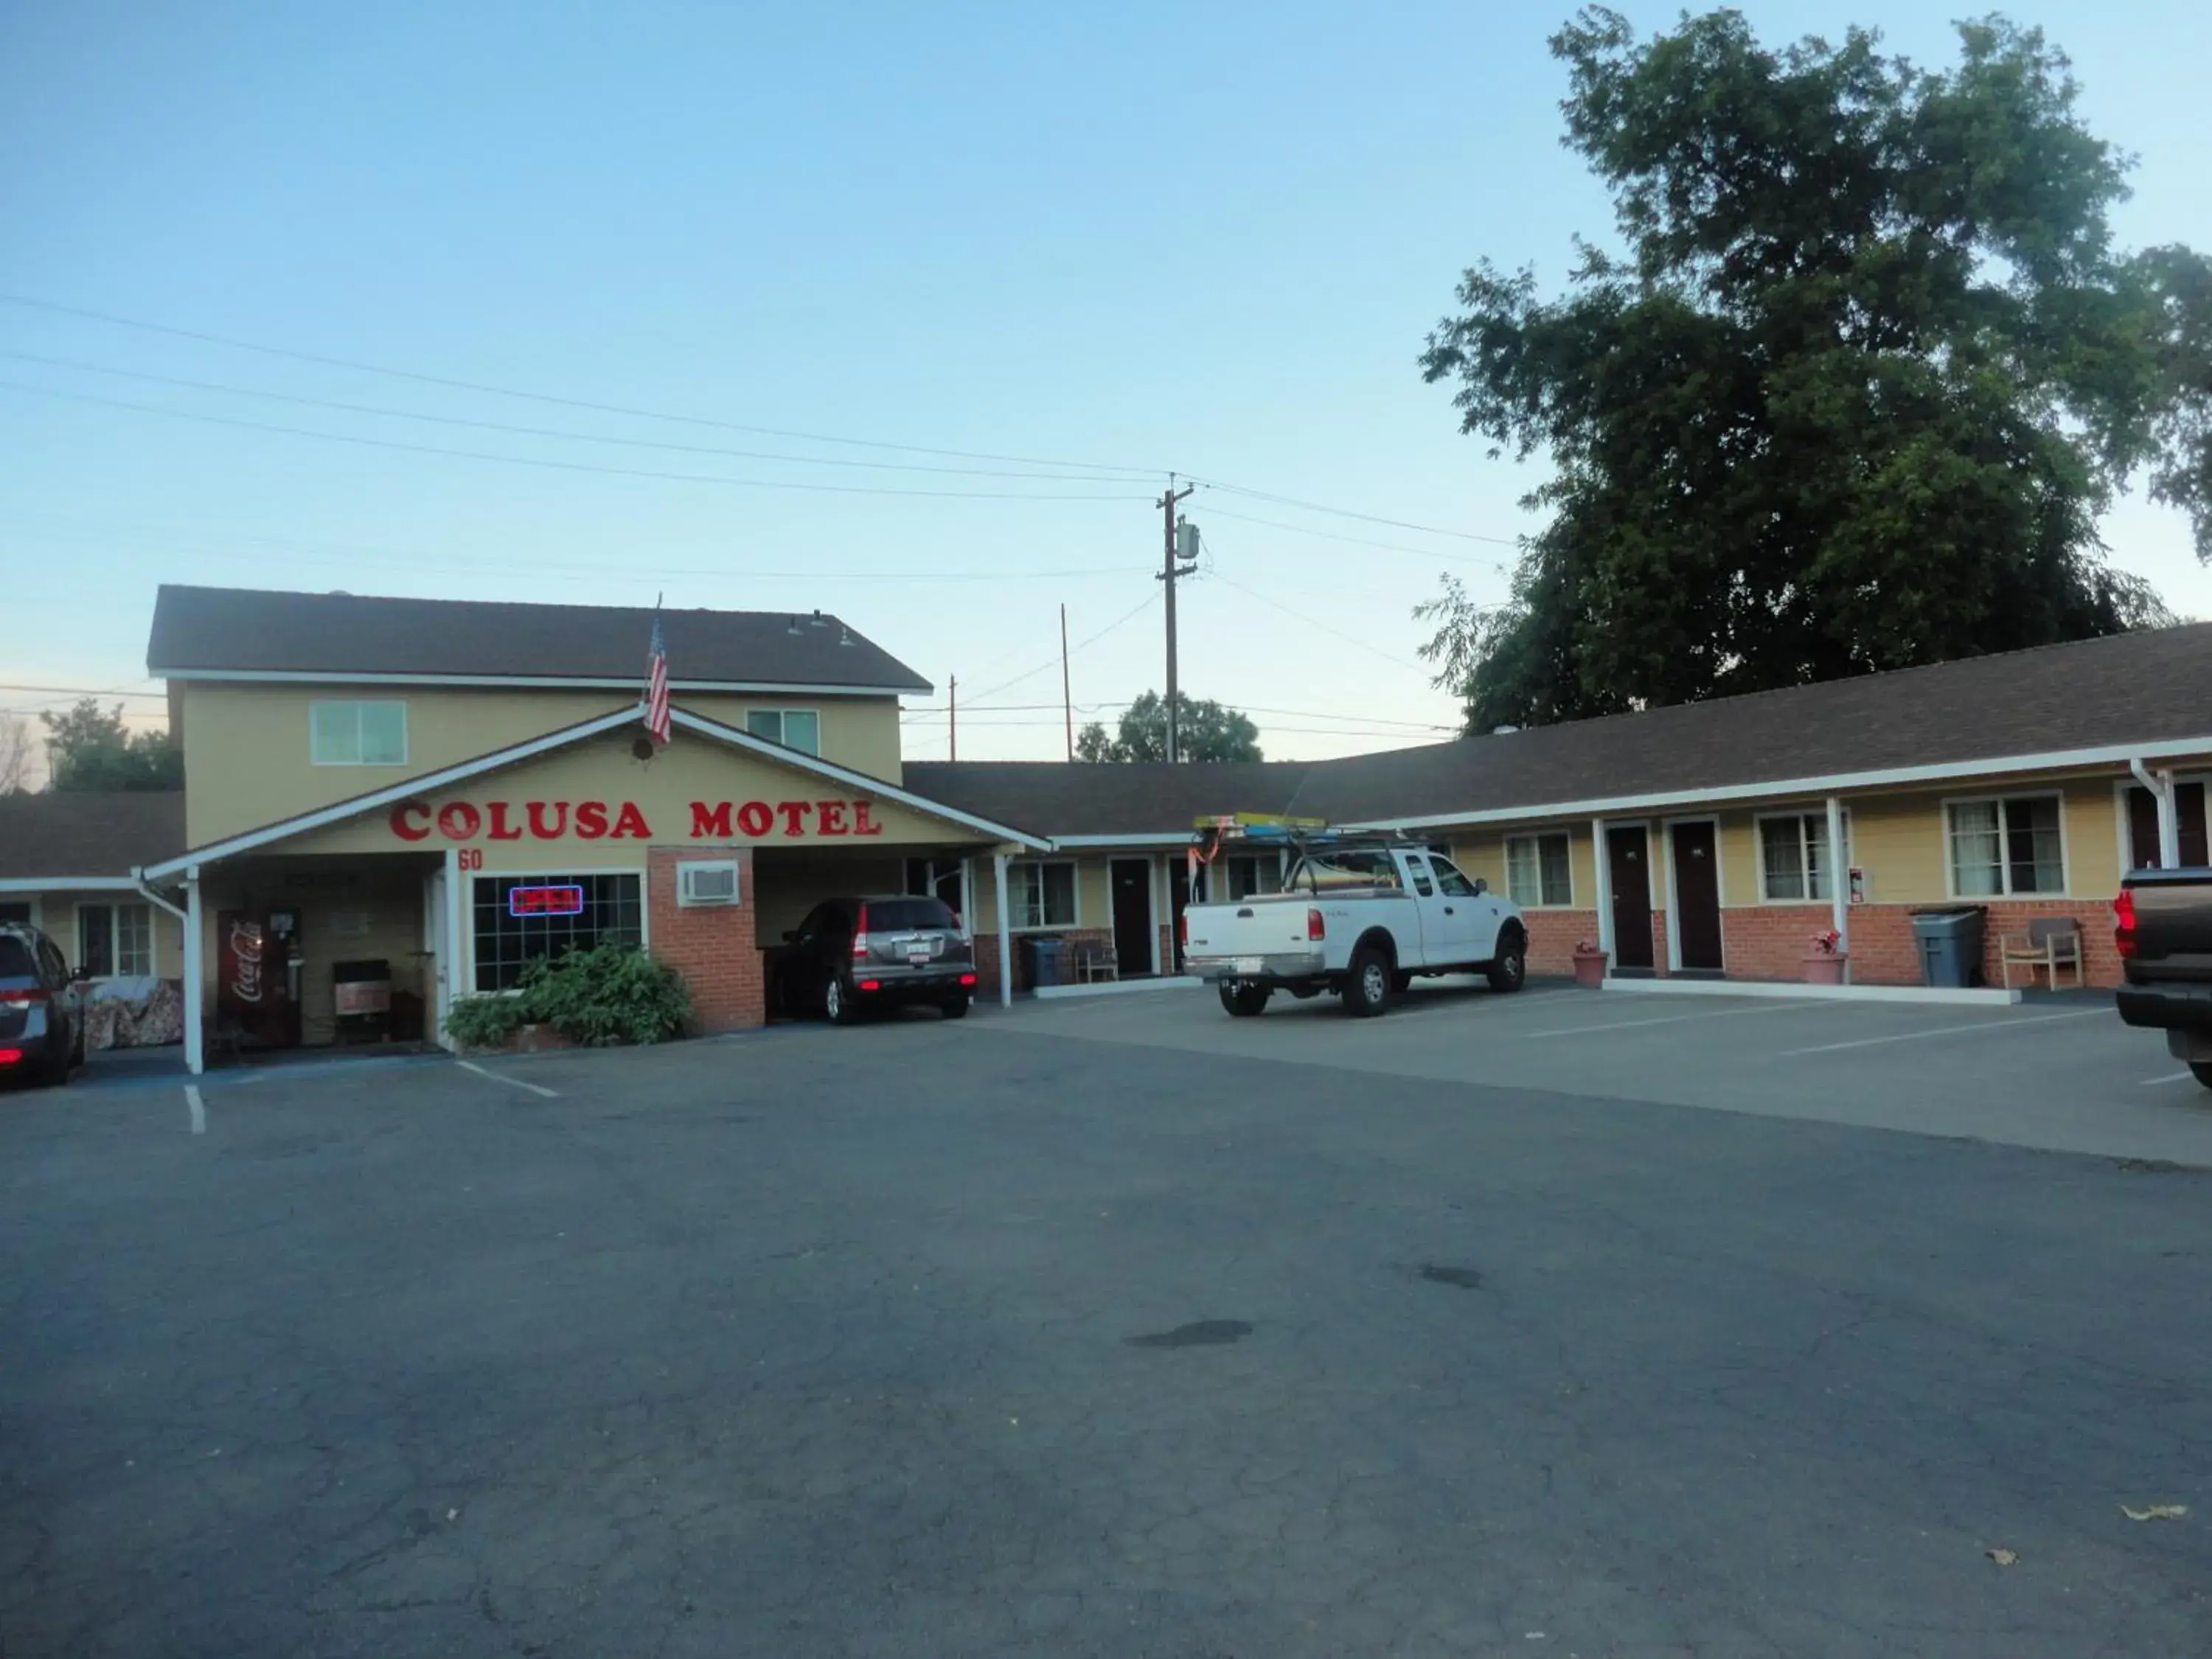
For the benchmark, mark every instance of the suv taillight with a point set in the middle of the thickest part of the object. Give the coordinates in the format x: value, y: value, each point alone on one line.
x: 1314, y: 929
x: 25, y: 997
x: 861, y: 935
x: 2123, y: 920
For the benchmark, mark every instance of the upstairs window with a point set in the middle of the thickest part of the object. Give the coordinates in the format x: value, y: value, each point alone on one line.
x: 794, y: 728
x: 357, y: 734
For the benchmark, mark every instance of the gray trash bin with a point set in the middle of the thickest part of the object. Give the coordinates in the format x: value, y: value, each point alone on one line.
x: 1949, y: 943
x: 1045, y: 963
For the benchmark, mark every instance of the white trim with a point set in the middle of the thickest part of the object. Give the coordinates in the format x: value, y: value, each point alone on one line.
x: 1505, y: 857
x: 1651, y: 899
x: 406, y: 737
x: 194, y: 975
x: 2114, y: 755
x: 2004, y: 859
x: 1773, y: 987
x: 1005, y: 942
x: 1107, y: 988
x: 1602, y: 872
x: 1152, y: 910
x: 532, y: 682
x: 1075, y: 891
x: 460, y: 962
x: 429, y: 782
x: 783, y: 713
x: 1668, y: 826
x: 70, y: 883
x: 1147, y: 840
x: 644, y: 903
x: 114, y: 908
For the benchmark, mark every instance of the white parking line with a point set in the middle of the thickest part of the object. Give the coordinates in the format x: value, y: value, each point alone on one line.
x: 501, y: 1077
x: 197, y: 1107
x: 2172, y: 1077
x: 1945, y: 1030
x: 1676, y: 1019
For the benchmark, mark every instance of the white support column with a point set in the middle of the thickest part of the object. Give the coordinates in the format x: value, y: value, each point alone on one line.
x: 195, y: 976
x: 1598, y: 860
x: 1005, y: 936
x: 460, y: 900
x: 2169, y: 824
x: 967, y: 899
x: 1839, y: 879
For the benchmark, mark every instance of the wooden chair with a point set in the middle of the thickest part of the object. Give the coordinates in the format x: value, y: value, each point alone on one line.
x: 2049, y: 943
x: 1095, y: 962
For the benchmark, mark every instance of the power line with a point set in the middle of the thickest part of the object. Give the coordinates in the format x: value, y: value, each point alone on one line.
x: 1126, y: 616
x: 359, y: 366
x: 557, y: 466
x: 932, y: 710
x: 566, y: 435
x: 1299, y: 615
x: 1346, y: 513
x: 1497, y: 565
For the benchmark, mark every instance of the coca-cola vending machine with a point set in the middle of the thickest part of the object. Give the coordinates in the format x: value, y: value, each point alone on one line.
x: 258, y: 991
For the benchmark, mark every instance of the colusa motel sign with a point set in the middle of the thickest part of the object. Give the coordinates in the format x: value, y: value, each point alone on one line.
x: 598, y: 820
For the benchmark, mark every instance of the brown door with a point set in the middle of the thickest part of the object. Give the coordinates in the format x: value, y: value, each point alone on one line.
x: 1628, y: 855
x: 1133, y: 915
x: 1697, y: 897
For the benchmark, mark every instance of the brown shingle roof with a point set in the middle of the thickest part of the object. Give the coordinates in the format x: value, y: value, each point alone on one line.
x: 88, y: 833
x: 245, y: 630
x: 2127, y: 689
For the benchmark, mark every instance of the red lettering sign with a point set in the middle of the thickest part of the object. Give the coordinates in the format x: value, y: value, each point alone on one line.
x: 246, y: 961
x: 540, y: 828
x: 459, y: 821
x: 591, y: 819
x: 501, y: 829
x: 862, y: 824
x: 793, y: 811
x: 631, y: 823
x: 598, y: 820
x: 403, y: 824
x: 713, y: 823
x: 565, y: 899
x: 830, y: 818
x: 754, y: 818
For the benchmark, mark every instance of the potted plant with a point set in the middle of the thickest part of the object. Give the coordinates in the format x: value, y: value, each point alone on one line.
x: 1589, y: 965
x: 1824, y: 962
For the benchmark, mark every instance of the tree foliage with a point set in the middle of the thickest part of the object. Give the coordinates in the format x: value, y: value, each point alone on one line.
x: 19, y: 755
x: 90, y: 749
x: 1204, y: 731
x: 1852, y: 396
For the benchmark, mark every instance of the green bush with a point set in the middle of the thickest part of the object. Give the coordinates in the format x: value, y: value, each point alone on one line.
x: 612, y: 994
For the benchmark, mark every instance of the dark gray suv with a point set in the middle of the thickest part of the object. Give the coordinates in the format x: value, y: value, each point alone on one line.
x: 852, y: 956
x: 41, y: 1017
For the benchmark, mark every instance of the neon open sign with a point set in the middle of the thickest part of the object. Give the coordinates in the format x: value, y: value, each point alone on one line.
x: 564, y: 900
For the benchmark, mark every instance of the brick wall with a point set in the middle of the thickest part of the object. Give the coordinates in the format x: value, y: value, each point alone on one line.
x: 986, y: 956
x: 1770, y: 941
x: 1553, y: 936
x: 715, y: 947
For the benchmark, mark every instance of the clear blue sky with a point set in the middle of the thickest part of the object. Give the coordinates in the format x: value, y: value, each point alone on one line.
x: 1210, y: 238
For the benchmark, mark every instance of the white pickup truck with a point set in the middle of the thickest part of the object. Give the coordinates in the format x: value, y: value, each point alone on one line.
x: 1359, y: 918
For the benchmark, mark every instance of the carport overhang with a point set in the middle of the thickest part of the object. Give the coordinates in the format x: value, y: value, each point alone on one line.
x: 186, y: 870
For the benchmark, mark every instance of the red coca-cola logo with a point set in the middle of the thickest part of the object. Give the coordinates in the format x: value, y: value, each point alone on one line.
x: 246, y: 957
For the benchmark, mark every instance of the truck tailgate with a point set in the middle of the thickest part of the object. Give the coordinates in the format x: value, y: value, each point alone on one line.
x: 1257, y: 926
x: 2173, y: 925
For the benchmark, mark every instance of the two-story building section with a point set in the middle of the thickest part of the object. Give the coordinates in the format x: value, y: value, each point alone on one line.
x: 423, y: 795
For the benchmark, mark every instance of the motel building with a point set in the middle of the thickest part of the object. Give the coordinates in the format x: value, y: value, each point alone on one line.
x: 390, y: 803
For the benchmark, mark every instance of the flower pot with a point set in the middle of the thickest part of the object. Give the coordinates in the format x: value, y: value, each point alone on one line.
x: 1590, y: 969
x: 1826, y: 969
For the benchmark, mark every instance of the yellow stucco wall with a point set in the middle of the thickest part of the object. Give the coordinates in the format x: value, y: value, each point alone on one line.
x: 664, y: 789
x: 785, y: 886
x: 247, y: 761
x: 1482, y: 853
x: 1094, y: 895
x: 54, y: 913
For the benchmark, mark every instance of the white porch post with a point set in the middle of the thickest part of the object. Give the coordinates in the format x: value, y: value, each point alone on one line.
x: 2169, y: 824
x: 195, y: 976
x: 1005, y: 938
x: 1604, y: 887
x: 967, y: 899
x: 459, y: 900
x: 1840, y: 880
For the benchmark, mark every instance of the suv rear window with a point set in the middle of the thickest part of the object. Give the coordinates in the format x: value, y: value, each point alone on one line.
x: 16, y: 959
x: 896, y: 913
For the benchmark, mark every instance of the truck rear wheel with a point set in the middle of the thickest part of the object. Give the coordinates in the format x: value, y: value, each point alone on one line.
x: 1367, y: 983
x: 2202, y: 1069
x: 1243, y: 1001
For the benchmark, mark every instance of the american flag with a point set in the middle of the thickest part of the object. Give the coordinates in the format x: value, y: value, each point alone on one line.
x: 656, y: 686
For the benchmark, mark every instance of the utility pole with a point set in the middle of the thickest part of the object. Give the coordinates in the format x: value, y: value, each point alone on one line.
x: 952, y: 697
x: 1066, y: 703
x: 1168, y: 571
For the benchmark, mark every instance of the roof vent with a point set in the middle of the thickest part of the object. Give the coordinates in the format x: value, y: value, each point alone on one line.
x: 844, y: 635
x: 821, y: 620
x: 794, y: 627
x: 1503, y: 731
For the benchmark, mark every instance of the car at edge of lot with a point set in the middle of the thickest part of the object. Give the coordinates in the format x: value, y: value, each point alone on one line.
x: 41, y: 1014
x: 853, y: 956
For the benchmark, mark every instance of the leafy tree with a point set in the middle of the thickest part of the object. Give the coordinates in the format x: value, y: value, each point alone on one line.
x: 1853, y: 394
x: 1204, y: 731
x: 19, y: 755
x: 88, y: 749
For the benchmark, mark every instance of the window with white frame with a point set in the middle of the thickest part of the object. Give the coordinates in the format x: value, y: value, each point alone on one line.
x: 1041, y: 894
x: 2005, y: 846
x: 1538, y: 870
x: 1254, y: 873
x: 114, y: 940
x: 1794, y: 862
x: 794, y: 728
x: 357, y: 734
x: 517, y: 918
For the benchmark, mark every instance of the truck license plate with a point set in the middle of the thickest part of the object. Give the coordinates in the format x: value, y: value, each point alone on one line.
x: 1249, y: 965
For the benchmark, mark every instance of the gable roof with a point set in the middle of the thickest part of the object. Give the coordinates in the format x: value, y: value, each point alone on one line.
x: 215, y: 632
x: 429, y: 782
x: 102, y: 836
x: 2091, y: 702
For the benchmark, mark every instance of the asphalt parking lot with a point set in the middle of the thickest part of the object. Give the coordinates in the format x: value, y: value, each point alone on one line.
x: 1119, y: 1328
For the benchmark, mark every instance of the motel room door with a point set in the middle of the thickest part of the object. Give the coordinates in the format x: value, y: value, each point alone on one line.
x: 1696, y: 865
x: 1133, y: 939
x: 1628, y: 856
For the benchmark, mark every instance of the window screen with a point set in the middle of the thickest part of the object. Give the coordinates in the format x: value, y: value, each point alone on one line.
x: 1042, y: 894
x: 613, y: 914
x: 1537, y: 870
x: 794, y: 728
x: 357, y: 734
